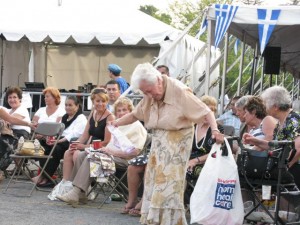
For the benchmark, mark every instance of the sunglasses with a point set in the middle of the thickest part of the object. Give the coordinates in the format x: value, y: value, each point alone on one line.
x: 99, y: 90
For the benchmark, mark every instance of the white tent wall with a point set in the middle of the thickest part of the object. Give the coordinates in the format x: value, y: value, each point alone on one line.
x: 182, y: 62
x: 16, y: 62
x: 70, y: 67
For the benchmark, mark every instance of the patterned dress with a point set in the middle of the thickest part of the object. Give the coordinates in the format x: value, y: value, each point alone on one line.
x: 172, y: 123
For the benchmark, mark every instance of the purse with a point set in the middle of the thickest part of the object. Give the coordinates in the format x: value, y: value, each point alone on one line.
x: 30, y: 148
x: 260, y: 165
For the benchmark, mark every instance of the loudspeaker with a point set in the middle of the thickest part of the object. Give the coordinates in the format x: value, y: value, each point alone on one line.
x: 272, y: 60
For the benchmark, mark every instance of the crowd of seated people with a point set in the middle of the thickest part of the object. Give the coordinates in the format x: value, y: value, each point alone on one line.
x: 135, y: 132
x: 262, y: 119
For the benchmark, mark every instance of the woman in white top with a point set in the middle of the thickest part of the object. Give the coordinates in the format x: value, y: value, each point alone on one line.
x: 52, y: 112
x: 75, y: 123
x: 14, y: 98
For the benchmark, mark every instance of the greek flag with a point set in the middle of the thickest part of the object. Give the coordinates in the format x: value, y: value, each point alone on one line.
x: 202, y: 28
x: 224, y: 16
x: 267, y: 19
x: 236, y: 46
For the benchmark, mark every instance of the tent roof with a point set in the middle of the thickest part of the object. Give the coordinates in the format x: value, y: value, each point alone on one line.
x: 80, y: 21
x: 285, y: 34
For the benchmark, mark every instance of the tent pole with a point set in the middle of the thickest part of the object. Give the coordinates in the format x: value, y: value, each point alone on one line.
x: 241, y: 66
x: 224, y: 73
x: 46, y: 56
x: 208, y: 54
x: 254, y: 69
x: 2, y: 66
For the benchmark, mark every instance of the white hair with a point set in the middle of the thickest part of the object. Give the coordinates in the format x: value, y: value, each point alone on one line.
x: 145, y: 72
x: 242, y: 101
x: 277, y: 96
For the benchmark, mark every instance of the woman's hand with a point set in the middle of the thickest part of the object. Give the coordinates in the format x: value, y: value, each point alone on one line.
x: 113, y: 123
x: 247, y: 138
x: 218, y: 136
x: 192, y: 163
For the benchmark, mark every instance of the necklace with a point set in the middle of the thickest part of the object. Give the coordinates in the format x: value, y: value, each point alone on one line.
x: 96, y: 121
x: 196, y: 139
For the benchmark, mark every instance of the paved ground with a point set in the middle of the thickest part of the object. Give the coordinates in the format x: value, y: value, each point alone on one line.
x: 15, y: 209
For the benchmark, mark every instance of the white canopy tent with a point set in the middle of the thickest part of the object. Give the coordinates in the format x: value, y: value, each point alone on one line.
x: 73, y: 43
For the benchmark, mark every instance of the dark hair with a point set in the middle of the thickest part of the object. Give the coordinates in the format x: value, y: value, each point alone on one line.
x: 12, y: 90
x: 76, y: 101
x: 236, y: 98
x: 163, y: 66
x: 113, y: 82
x: 256, y: 103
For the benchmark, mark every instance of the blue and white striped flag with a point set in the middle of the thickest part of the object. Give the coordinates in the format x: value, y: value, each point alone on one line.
x: 202, y: 28
x: 267, y: 19
x: 236, y: 46
x: 224, y: 16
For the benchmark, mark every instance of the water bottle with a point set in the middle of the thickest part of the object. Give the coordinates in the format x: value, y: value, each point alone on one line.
x: 37, y: 146
x: 20, y: 143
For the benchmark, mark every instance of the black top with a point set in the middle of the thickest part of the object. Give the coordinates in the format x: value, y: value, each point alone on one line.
x: 206, y: 147
x: 99, y: 131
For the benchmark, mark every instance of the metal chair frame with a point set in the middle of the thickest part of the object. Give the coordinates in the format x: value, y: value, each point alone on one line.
x: 45, y: 129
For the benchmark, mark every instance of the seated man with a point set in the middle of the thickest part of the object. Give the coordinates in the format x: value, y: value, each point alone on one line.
x: 230, y: 117
x: 135, y: 132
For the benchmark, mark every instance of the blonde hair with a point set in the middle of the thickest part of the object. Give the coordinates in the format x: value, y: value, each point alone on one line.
x: 210, y: 101
x: 54, y: 92
x: 123, y: 101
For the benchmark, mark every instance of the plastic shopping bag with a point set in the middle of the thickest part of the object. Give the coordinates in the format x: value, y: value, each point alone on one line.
x: 61, y: 188
x: 217, y: 198
x: 120, y: 140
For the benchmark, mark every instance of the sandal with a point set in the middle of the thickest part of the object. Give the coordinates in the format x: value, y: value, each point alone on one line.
x: 135, y: 212
x: 126, y: 210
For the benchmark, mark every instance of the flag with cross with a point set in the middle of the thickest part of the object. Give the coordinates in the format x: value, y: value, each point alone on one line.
x: 224, y: 15
x: 267, y: 19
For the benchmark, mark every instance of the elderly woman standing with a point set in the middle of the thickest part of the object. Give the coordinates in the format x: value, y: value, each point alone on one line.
x: 170, y: 109
x: 278, y: 104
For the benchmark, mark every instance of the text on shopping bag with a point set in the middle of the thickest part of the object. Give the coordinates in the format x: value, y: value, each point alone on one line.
x: 224, y: 194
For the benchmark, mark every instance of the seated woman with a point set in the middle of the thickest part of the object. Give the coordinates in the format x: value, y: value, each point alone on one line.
x: 95, y: 129
x: 203, y: 141
x: 135, y: 132
x: 278, y: 104
x: 51, y: 112
x: 261, y: 125
x: 7, y: 141
x: 74, y: 122
x: 14, y: 98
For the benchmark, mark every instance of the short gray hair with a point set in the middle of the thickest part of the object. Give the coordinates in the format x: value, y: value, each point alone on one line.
x: 242, y: 102
x: 277, y: 96
x: 145, y: 72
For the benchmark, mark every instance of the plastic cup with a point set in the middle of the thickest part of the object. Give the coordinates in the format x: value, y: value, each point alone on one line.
x: 97, y: 144
x: 50, y: 139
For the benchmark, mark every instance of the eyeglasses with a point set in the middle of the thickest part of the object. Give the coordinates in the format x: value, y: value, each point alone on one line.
x: 99, y: 90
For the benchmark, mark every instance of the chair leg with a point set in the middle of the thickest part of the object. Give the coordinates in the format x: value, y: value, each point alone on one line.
x: 17, y: 168
x: 114, y: 188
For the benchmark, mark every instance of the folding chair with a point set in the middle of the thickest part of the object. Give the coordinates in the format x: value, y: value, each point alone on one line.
x: 118, y: 182
x: 45, y: 129
x: 280, y: 181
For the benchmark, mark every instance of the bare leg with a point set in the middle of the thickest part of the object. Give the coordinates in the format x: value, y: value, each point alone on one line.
x: 68, y: 163
x: 134, y: 180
